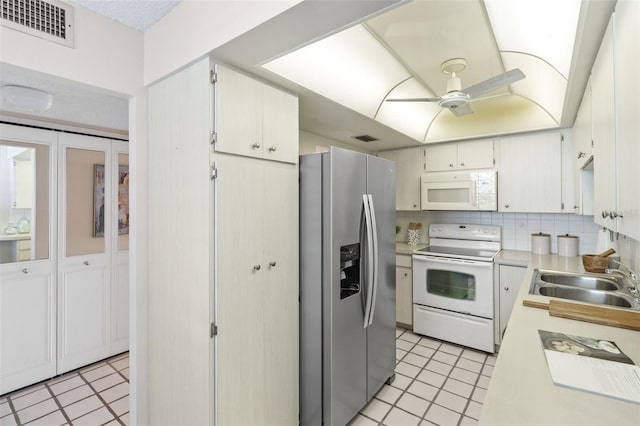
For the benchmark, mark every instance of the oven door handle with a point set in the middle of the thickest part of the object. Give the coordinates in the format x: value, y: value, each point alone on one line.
x: 449, y: 260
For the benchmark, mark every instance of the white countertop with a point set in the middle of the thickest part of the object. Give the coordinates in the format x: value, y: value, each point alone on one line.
x: 521, y: 391
x: 404, y: 248
x: 14, y: 237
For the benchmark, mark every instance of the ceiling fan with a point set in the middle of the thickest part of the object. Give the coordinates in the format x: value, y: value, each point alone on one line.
x: 457, y: 99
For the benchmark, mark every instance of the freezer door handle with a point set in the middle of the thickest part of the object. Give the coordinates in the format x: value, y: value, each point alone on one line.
x: 374, y: 237
x: 369, y: 259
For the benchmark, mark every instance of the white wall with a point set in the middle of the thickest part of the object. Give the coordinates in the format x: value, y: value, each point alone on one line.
x: 194, y: 28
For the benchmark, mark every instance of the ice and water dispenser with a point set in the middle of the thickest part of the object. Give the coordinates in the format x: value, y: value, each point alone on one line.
x: 349, y: 270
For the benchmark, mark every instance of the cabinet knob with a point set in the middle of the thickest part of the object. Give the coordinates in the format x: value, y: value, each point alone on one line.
x: 25, y: 271
x: 506, y: 289
x: 405, y: 274
x: 415, y: 205
x: 450, y: 164
x: 256, y: 267
x: 272, y: 148
x: 86, y: 263
x: 256, y: 145
x: 581, y: 154
x: 272, y: 263
x: 462, y: 164
x: 506, y: 206
x: 613, y: 215
x: 605, y: 214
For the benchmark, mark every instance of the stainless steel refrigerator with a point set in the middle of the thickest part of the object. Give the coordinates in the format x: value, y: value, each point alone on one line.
x: 347, y: 283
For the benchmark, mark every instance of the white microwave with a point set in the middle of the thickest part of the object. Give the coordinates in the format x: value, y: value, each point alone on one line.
x: 463, y: 190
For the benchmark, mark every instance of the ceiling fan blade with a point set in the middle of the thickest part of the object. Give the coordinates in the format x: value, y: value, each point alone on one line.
x: 414, y: 100
x: 494, y: 83
x: 461, y: 110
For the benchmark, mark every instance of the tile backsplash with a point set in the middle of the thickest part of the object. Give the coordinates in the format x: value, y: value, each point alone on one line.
x: 518, y: 227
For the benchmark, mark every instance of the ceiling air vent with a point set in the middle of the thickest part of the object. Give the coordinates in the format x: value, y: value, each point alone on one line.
x: 51, y: 20
x: 365, y: 138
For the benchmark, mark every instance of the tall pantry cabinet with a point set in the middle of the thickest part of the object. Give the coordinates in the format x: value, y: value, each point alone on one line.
x: 223, y: 271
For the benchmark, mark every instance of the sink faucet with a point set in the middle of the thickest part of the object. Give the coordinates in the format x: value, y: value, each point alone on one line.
x: 629, y: 274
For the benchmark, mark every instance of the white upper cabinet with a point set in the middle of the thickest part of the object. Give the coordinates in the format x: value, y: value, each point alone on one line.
x: 409, y: 168
x: 582, y: 142
x: 616, y: 126
x: 604, y: 132
x: 254, y: 119
x: 627, y: 71
x: 530, y: 173
x: 477, y: 154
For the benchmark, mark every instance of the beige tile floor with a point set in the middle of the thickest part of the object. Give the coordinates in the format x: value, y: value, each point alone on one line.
x: 94, y: 395
x: 437, y: 383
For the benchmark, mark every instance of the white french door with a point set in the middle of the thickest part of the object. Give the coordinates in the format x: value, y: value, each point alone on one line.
x: 84, y: 274
x: 27, y: 259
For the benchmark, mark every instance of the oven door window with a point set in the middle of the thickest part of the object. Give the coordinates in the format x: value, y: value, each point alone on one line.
x: 451, y: 284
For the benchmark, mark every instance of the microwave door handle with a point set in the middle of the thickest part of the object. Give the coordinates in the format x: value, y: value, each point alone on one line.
x: 375, y: 256
x: 369, y: 260
x: 474, y: 193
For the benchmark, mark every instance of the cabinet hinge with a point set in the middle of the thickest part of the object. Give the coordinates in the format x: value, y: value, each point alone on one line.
x: 561, y: 137
x: 214, y: 172
x: 214, y: 77
x: 561, y: 206
x: 591, y: 143
x: 213, y: 137
x: 214, y: 330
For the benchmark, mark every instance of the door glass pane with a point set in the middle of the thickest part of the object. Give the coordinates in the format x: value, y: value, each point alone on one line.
x: 86, y: 203
x: 455, y: 285
x: 24, y: 202
x: 123, y: 201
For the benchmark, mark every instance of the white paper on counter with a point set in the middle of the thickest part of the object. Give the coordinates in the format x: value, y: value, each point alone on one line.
x: 595, y: 375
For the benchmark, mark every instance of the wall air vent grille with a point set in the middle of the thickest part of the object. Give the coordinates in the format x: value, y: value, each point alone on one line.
x: 365, y: 138
x: 51, y: 20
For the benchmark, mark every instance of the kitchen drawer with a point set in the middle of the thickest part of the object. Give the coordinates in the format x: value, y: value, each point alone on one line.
x: 403, y: 260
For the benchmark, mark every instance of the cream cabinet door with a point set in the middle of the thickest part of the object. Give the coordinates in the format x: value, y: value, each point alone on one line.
x: 409, y: 169
x: 627, y: 70
x: 238, y: 113
x: 280, y: 293
x: 257, y: 291
x: 509, y: 282
x: 404, y: 296
x: 604, y: 132
x: 240, y: 343
x: 441, y: 157
x: 279, y: 125
x: 530, y: 173
x: 476, y: 154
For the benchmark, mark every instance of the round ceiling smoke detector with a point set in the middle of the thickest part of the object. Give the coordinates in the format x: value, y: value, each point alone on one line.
x: 453, y: 66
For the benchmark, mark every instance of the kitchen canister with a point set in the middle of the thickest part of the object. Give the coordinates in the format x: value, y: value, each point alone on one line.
x: 540, y: 243
x: 567, y: 245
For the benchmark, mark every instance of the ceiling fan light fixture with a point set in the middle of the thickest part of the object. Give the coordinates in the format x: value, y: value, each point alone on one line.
x: 454, y: 99
x: 25, y: 98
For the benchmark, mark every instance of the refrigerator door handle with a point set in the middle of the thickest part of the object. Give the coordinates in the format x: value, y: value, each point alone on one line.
x: 375, y: 256
x: 369, y: 260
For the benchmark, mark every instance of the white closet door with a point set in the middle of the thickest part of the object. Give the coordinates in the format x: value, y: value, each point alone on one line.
x: 280, y: 301
x: 27, y: 287
x: 84, y: 247
x: 241, y: 271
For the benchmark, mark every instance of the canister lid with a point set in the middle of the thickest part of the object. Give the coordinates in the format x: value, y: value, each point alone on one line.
x: 567, y: 236
x: 540, y: 234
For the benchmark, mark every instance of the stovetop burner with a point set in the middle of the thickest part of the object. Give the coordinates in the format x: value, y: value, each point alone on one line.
x: 473, y: 242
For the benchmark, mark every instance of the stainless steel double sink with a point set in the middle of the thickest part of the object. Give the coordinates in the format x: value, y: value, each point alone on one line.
x: 597, y: 289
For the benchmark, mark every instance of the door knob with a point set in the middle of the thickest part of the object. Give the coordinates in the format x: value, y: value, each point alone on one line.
x: 256, y: 267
